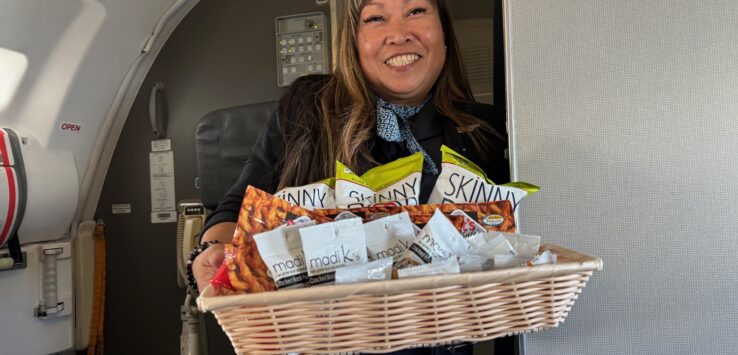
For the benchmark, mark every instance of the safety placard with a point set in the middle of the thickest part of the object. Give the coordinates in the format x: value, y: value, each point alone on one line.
x: 161, y: 165
x: 161, y: 145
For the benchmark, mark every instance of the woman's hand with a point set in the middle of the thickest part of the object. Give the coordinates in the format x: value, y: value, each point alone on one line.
x: 207, y: 264
x: 209, y: 261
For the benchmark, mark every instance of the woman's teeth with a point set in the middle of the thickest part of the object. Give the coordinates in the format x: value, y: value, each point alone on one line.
x: 401, y: 60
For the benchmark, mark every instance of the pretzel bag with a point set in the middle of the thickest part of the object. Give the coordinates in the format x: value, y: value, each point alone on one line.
x: 260, y: 212
x: 493, y: 216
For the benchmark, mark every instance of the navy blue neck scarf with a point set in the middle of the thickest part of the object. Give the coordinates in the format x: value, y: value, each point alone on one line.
x: 393, y: 126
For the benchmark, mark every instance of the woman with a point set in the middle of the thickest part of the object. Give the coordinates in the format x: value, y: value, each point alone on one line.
x: 399, y: 87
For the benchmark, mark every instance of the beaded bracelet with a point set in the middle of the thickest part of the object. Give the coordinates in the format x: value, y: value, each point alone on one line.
x: 193, y: 254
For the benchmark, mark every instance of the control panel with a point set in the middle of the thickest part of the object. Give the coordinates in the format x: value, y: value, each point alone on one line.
x: 302, y: 46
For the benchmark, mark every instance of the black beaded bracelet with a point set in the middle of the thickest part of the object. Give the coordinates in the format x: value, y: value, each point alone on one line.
x: 193, y: 254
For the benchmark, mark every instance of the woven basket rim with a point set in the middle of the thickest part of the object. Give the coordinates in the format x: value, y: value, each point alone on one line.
x: 570, y: 262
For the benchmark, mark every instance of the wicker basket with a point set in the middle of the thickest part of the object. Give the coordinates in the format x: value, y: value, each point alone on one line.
x: 387, y: 316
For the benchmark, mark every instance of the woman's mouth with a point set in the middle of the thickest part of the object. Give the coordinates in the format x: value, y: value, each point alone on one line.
x: 402, y: 60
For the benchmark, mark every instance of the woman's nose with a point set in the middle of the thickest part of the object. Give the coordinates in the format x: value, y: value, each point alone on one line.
x: 398, y: 33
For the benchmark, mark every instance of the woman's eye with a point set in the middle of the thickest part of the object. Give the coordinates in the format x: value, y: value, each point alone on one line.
x: 373, y: 19
x: 416, y: 11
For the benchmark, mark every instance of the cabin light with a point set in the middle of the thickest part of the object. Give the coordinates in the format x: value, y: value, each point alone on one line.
x: 12, y: 67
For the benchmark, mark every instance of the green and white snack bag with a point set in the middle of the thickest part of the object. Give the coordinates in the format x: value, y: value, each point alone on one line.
x: 395, y: 182
x: 320, y: 194
x: 462, y: 181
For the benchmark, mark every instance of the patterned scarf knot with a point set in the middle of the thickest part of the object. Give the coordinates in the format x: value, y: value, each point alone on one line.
x: 393, y: 126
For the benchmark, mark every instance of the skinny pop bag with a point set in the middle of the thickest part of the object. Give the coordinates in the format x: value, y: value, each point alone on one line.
x: 320, y: 194
x: 462, y: 181
x: 396, y: 182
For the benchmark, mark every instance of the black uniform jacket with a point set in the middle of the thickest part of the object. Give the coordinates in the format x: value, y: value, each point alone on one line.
x: 263, y: 167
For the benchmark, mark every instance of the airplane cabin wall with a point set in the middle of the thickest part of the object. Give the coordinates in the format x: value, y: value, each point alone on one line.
x: 624, y: 112
x: 221, y: 55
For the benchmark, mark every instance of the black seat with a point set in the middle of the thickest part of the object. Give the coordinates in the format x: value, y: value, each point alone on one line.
x: 223, y: 141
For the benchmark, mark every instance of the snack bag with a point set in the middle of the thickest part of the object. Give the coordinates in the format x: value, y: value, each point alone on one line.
x: 439, y: 239
x: 321, y: 194
x: 329, y: 246
x: 437, y: 267
x: 377, y: 270
x: 260, y: 212
x: 493, y: 216
x: 222, y: 282
x: 420, y: 220
x: 542, y: 258
x: 389, y: 237
x: 524, y: 245
x: 281, y: 249
x: 368, y: 214
x: 491, y: 244
x: 397, y: 182
x: 462, y: 181
x: 469, y: 227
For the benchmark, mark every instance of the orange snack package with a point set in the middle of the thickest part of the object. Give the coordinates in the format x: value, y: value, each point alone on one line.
x: 493, y: 216
x: 260, y: 212
x: 420, y: 220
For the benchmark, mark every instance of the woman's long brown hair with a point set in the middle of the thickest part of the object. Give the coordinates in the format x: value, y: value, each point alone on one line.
x: 334, y: 117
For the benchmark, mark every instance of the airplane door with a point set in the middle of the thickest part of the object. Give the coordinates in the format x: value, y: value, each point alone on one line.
x: 70, y: 69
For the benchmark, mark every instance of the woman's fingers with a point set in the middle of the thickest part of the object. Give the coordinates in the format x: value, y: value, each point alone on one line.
x: 207, y: 264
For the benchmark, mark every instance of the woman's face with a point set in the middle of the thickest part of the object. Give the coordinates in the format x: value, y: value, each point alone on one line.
x: 401, y: 48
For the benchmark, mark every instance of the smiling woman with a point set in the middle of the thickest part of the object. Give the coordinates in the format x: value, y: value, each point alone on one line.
x: 398, y: 88
x: 401, y: 49
x: 344, y: 124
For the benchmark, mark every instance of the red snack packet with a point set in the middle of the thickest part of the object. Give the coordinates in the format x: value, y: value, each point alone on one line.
x: 221, y: 280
